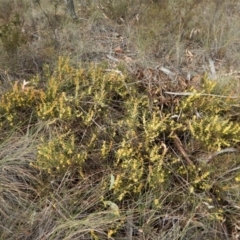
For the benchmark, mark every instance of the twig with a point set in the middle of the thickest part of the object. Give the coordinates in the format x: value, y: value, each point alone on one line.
x: 201, y: 94
x: 181, y: 149
x: 112, y: 58
x: 226, y: 150
x: 212, y: 68
x: 130, y: 227
x: 169, y: 73
x: 114, y: 70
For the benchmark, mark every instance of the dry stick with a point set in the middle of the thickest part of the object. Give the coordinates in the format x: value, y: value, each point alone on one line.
x: 201, y: 94
x: 169, y: 73
x: 181, y: 149
x: 226, y: 150
x: 112, y: 58
x: 130, y: 227
x: 212, y: 68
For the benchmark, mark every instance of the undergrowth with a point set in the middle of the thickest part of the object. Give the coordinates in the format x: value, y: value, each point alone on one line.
x: 121, y: 124
x: 100, y: 123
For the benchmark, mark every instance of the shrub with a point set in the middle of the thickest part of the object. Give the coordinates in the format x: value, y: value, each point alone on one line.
x: 102, y: 122
x: 11, y: 35
x: 98, y: 117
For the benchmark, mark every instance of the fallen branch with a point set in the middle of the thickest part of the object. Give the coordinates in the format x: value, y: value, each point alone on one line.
x: 201, y: 94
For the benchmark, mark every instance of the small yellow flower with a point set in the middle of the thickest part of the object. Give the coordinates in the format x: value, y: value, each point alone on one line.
x: 191, y: 189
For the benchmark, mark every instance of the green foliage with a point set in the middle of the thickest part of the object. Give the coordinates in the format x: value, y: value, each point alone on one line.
x: 207, y: 117
x: 215, y: 132
x: 11, y: 34
x: 97, y: 117
x: 59, y: 154
x: 17, y: 104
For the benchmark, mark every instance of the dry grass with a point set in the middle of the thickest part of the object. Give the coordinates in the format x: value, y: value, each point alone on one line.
x: 174, y: 34
x: 34, y: 206
x: 137, y: 37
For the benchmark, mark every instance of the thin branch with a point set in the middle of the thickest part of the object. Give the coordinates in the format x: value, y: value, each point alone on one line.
x: 181, y: 149
x: 201, y: 94
x: 226, y: 150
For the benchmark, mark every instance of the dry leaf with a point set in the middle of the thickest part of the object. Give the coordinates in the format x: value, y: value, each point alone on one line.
x: 118, y: 50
